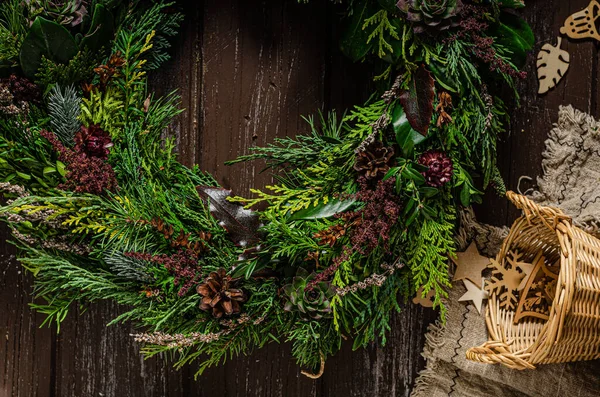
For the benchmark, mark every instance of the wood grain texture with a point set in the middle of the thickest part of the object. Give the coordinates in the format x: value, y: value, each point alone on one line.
x: 246, y: 71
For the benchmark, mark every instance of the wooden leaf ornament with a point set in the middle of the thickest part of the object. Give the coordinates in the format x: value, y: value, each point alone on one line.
x: 552, y: 64
x: 583, y: 24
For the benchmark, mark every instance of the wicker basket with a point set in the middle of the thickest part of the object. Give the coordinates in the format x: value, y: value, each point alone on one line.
x: 572, y: 331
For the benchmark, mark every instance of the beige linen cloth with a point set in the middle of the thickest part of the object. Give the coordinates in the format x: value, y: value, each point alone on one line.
x: 571, y: 181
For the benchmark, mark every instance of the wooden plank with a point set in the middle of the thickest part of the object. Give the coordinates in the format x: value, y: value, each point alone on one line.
x: 388, y: 370
x: 520, y: 152
x: 262, y: 70
x: 25, y: 353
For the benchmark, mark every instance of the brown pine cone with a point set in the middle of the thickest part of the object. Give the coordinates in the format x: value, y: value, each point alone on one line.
x: 330, y: 235
x: 219, y: 297
x: 374, y: 160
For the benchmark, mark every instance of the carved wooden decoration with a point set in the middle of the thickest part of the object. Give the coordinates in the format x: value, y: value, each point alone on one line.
x: 552, y: 64
x: 537, y: 296
x: 505, y: 280
x: 583, y: 24
x: 469, y: 264
x: 474, y: 294
x: 426, y: 301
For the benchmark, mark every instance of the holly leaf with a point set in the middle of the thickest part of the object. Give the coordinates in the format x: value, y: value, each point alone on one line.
x: 46, y: 39
x: 417, y: 100
x: 241, y: 224
x: 323, y: 210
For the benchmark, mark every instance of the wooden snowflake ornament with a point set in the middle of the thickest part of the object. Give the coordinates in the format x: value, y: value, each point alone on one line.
x: 469, y: 264
x: 506, y: 279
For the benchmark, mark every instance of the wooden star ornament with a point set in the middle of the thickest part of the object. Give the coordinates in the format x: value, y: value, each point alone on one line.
x: 474, y: 294
x: 469, y: 264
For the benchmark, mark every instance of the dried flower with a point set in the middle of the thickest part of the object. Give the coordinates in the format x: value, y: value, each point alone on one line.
x: 370, y: 226
x: 444, y: 104
x: 85, y: 174
x: 183, y: 265
x: 374, y: 279
x: 439, y: 168
x: 93, y: 141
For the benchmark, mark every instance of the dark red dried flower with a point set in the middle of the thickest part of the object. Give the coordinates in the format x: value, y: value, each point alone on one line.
x: 93, y: 141
x: 183, y: 265
x: 439, y: 168
x: 22, y: 89
x: 472, y: 24
x: 370, y: 225
x: 85, y: 174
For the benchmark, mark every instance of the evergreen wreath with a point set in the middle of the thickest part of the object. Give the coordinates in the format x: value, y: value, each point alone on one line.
x: 362, y: 216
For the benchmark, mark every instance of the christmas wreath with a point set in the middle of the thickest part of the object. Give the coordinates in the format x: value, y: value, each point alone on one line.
x: 362, y: 215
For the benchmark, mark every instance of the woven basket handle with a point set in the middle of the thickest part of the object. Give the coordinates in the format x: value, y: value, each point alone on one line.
x: 497, y: 352
x: 551, y: 216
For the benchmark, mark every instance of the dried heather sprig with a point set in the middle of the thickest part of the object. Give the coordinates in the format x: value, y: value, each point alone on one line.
x: 183, y: 265
x: 58, y: 243
x: 373, y: 280
x: 370, y: 225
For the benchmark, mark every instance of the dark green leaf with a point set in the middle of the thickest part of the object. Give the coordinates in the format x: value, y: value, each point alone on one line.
x: 101, y: 30
x: 417, y: 100
x: 412, y: 216
x: 354, y: 39
x: 516, y: 35
x: 391, y: 172
x: 330, y: 139
x: 442, y: 77
x: 416, y: 176
x: 511, y: 3
x: 406, y: 137
x: 428, y: 191
x: 323, y: 210
x: 465, y: 196
x: 46, y: 39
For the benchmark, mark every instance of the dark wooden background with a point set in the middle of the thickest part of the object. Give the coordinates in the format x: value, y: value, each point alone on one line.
x: 247, y: 70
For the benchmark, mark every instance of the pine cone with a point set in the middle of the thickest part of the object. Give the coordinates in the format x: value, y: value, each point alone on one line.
x: 430, y: 15
x: 218, y: 295
x: 330, y: 235
x: 439, y: 168
x: 374, y: 160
